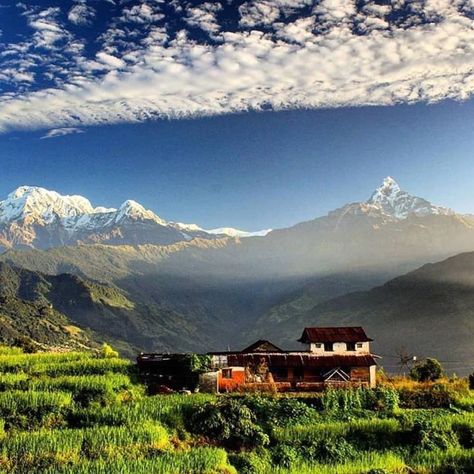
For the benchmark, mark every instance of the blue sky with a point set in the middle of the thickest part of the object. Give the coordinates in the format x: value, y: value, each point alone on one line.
x: 250, y: 113
x: 256, y: 170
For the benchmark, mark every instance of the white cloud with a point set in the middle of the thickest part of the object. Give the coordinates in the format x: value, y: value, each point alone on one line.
x: 61, y: 132
x: 328, y: 54
x: 109, y: 60
x: 204, y: 17
x: 81, y: 14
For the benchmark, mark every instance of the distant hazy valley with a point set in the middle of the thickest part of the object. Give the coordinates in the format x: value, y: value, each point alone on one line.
x: 130, y: 277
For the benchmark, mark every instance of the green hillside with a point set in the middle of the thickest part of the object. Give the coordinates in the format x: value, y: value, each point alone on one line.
x: 66, y: 311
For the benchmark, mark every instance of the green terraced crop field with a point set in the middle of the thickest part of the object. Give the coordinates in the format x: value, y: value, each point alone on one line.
x: 85, y: 413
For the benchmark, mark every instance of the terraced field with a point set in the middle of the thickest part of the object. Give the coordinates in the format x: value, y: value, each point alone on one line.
x: 88, y: 413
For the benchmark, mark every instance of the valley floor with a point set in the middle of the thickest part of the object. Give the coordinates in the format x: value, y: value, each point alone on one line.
x: 87, y: 413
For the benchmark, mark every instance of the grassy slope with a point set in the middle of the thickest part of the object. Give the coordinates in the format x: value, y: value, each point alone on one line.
x: 78, y: 413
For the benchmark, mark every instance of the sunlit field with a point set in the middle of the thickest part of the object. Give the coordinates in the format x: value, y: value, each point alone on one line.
x: 88, y: 413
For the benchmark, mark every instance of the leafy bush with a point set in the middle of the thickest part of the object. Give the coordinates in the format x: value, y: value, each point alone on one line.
x: 427, y: 436
x: 251, y: 462
x: 428, y: 370
x: 437, y: 396
x: 465, y: 433
x: 230, y: 422
x: 108, y: 352
x: 284, y: 455
x: 273, y: 411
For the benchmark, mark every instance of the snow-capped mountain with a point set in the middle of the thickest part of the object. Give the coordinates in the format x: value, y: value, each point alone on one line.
x: 229, y: 231
x: 36, y: 217
x: 391, y: 200
x: 389, y: 203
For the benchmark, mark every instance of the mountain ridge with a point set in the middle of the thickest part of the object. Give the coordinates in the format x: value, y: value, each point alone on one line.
x: 35, y: 217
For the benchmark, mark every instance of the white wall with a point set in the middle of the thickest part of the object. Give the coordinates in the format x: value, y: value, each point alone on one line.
x: 339, y: 348
x: 373, y: 376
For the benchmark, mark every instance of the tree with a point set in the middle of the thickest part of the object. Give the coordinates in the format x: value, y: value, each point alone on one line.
x: 426, y: 370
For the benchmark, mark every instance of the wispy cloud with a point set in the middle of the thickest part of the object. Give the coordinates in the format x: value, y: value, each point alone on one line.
x: 149, y: 61
x: 61, y: 132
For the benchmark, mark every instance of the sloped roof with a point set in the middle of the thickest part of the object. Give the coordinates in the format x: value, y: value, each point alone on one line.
x: 301, y: 360
x: 334, y: 334
x: 262, y: 345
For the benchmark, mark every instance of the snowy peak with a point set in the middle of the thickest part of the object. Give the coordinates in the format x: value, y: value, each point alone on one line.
x: 392, y: 201
x: 37, y: 217
x: 134, y: 211
x: 388, y: 190
x: 231, y: 232
x: 41, y: 205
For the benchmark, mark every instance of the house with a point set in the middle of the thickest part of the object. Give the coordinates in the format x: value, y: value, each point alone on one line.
x: 331, y: 356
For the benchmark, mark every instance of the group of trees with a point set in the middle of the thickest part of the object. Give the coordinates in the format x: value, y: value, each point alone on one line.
x: 427, y: 370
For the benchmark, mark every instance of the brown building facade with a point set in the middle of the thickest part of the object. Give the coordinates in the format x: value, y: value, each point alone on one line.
x: 330, y: 357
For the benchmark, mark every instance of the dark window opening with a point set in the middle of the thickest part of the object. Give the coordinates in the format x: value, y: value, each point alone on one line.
x: 279, y: 373
x: 298, y: 372
x: 351, y: 346
x: 329, y: 346
x: 226, y: 373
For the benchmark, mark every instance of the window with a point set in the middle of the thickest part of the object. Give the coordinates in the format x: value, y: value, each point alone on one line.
x: 350, y: 346
x: 360, y: 345
x: 226, y: 373
x: 329, y: 346
x: 298, y: 373
x: 318, y: 345
x: 279, y: 373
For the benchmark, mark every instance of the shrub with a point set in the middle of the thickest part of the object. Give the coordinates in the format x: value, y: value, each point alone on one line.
x: 108, y: 352
x: 437, y: 396
x: 465, y: 433
x: 229, y: 422
x: 428, y: 370
x: 426, y: 435
x: 26, y: 344
x: 272, y: 411
x: 251, y: 462
x: 284, y: 455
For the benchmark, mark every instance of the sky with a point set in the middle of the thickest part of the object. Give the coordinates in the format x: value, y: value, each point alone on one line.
x: 238, y: 113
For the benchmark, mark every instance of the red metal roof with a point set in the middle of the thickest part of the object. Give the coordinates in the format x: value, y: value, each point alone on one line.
x: 334, y: 334
x: 300, y: 360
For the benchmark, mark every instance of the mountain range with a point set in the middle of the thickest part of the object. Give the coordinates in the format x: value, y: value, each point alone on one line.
x: 35, y: 217
x: 196, y: 290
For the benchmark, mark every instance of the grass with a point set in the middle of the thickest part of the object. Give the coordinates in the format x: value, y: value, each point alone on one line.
x: 202, y: 460
x: 78, y: 413
x: 389, y: 462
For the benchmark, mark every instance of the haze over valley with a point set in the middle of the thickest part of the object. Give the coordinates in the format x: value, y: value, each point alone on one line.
x: 146, y: 284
